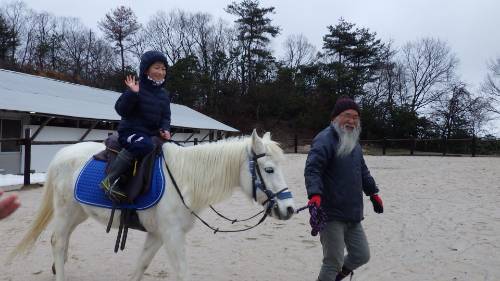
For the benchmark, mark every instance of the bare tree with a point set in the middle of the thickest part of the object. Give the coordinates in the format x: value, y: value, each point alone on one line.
x: 90, y: 40
x: 163, y: 33
x: 479, y: 114
x: 118, y: 26
x: 75, y: 46
x: 139, y: 44
x: 101, y: 61
x: 220, y: 47
x: 386, y: 87
x: 298, y: 51
x: 429, y: 65
x: 27, y: 30
x: 40, y: 38
x: 384, y: 95
x: 179, y: 34
x: 186, y: 29
x: 491, y: 86
x: 461, y: 112
x: 46, y: 42
x: 450, y: 111
x: 203, y: 34
x: 34, y: 51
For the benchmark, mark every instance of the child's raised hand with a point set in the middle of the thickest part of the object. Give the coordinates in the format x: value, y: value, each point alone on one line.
x: 132, y: 84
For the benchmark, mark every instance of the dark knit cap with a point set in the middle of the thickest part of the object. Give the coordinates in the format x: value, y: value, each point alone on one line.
x: 147, y: 59
x: 344, y: 103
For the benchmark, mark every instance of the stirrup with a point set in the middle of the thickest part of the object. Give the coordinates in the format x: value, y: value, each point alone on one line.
x: 112, y: 190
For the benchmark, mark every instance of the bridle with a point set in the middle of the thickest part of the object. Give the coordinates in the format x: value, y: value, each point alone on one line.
x: 258, y: 183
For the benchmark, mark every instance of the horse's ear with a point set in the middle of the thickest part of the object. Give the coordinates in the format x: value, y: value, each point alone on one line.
x: 257, y: 144
x: 254, y: 133
x: 267, y: 136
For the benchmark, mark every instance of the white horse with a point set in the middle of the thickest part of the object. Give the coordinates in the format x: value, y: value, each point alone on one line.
x: 205, y: 174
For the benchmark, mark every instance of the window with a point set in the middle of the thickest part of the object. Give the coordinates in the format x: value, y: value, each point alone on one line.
x: 10, y: 129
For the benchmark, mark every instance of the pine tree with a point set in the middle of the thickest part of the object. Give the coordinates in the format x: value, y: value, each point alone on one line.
x: 8, y: 40
x: 353, y: 55
x: 254, y: 32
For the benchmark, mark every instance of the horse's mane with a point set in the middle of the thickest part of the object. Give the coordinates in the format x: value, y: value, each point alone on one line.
x: 207, y: 173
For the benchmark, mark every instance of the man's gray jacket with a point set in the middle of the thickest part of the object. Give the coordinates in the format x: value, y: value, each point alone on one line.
x: 340, y: 181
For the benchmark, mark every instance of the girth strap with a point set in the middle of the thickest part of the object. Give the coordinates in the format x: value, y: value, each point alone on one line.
x: 122, y: 230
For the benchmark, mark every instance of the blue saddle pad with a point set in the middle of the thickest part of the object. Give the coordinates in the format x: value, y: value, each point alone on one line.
x: 88, y: 191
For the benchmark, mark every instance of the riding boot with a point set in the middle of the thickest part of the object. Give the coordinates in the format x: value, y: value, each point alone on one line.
x: 111, y: 183
x: 343, y: 273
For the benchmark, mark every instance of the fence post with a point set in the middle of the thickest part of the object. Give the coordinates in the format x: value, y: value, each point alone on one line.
x: 27, y: 156
x: 195, y: 141
x: 412, y: 145
x: 295, y: 142
x: 473, y: 148
x: 384, y: 146
x: 445, y: 145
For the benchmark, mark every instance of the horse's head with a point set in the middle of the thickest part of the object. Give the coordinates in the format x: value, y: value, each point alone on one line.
x: 262, y: 177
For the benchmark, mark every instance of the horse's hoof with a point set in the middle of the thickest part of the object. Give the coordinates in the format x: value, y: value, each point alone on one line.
x: 54, y: 269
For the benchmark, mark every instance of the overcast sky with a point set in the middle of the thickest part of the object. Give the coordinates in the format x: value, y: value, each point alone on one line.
x: 470, y: 27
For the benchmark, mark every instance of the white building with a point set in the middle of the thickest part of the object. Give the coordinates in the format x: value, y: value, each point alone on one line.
x: 60, y: 111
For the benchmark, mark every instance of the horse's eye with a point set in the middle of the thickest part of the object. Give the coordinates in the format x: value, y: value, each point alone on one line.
x: 269, y: 170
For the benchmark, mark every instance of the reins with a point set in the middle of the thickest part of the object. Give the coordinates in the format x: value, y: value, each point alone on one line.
x: 215, y: 229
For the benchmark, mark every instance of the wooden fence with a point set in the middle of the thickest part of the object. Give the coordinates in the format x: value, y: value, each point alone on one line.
x: 410, y: 146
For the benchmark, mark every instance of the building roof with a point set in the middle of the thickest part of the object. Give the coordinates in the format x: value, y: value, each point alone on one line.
x: 30, y: 93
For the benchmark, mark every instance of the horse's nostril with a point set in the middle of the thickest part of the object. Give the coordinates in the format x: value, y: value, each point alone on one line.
x: 290, y: 210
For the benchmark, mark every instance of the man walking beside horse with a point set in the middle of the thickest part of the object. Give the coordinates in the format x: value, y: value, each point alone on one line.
x: 336, y: 176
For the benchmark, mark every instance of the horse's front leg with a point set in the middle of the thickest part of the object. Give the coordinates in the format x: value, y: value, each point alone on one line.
x: 175, y: 244
x: 151, y: 246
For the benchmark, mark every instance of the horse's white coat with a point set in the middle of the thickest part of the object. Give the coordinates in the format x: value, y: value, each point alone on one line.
x: 206, y: 174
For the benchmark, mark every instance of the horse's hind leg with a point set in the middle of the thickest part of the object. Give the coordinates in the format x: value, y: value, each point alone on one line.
x: 151, y: 246
x: 65, y: 221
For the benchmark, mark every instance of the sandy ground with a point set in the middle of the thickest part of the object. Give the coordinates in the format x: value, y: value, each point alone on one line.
x: 441, y: 222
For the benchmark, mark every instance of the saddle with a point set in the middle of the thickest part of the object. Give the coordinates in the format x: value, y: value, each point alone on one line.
x: 137, y: 181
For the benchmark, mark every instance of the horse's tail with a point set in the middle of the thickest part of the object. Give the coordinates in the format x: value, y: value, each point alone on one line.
x: 43, y: 217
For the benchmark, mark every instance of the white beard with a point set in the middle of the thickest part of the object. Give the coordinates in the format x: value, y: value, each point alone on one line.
x: 348, y: 139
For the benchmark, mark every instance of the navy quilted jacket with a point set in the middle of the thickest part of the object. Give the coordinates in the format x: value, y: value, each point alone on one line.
x: 340, y: 181
x: 149, y: 110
